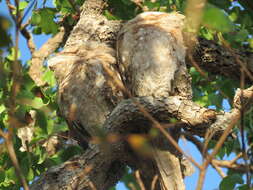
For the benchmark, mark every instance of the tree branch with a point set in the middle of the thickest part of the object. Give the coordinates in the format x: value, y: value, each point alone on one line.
x: 38, y: 57
x: 218, y: 60
x: 118, y: 123
x: 96, y: 167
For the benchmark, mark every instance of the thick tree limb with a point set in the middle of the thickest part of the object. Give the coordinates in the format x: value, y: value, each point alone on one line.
x: 67, y: 175
x: 218, y: 60
x: 93, y: 168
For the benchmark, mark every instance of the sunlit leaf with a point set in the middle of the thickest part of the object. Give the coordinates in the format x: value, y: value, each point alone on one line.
x: 30, y: 174
x: 2, y: 108
x: 22, y: 5
x: 11, y: 174
x: 36, y: 18
x: 49, y: 78
x: 217, y: 19
x: 11, y: 56
x: 44, y: 19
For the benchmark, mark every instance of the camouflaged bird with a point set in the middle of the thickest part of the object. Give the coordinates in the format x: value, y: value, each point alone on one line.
x: 151, y: 55
x: 86, y: 91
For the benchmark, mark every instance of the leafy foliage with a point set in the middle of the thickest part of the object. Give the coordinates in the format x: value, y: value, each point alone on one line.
x: 36, y: 107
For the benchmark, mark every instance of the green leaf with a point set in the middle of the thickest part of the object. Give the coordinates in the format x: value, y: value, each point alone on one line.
x: 59, y: 127
x: 206, y: 33
x: 128, y: 179
x: 2, y: 176
x: 122, y: 9
x: 11, y: 175
x: 37, y: 30
x: 241, y: 36
x: 36, y: 18
x: 25, y: 165
x: 41, y: 153
x: 221, y: 153
x: 2, y: 108
x: 113, y: 188
x: 25, y: 94
x: 37, y: 103
x: 64, y: 6
x: 217, y: 19
x: 49, y: 77
x: 48, y: 25
x: 230, y: 181
x: 229, y: 145
x: 50, y: 126
x: 54, y: 160
x: 41, y: 120
x: 44, y: 19
x: 11, y: 56
x: 30, y: 174
x: 110, y: 16
x: 22, y: 5
x: 244, y: 187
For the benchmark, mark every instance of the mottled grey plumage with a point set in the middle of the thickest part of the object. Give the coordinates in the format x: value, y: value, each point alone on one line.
x: 151, y: 52
x: 86, y: 93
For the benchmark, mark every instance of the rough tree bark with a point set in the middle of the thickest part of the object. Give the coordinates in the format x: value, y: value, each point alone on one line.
x: 101, y: 166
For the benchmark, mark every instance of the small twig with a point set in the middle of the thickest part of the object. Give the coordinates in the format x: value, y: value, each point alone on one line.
x: 201, y: 178
x: 7, y: 136
x: 40, y: 55
x: 218, y: 169
x: 236, y: 158
x: 92, y: 186
x: 202, y: 150
x: 10, y: 8
x: 232, y: 166
x: 28, y: 38
x: 139, y: 180
x: 26, y: 12
x: 154, y: 181
x: 210, y: 157
x: 131, y: 186
x: 244, y: 153
x: 208, y: 137
x: 222, y: 139
x: 12, y: 154
x: 2, y: 134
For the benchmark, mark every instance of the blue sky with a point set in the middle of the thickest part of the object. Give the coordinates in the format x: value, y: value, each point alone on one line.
x: 212, y: 178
